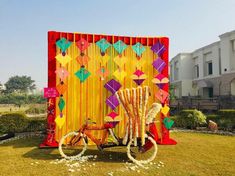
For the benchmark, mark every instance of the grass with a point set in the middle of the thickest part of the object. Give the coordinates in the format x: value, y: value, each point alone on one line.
x: 195, y: 154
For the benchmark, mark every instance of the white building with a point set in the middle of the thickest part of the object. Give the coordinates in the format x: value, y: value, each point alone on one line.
x: 208, y: 71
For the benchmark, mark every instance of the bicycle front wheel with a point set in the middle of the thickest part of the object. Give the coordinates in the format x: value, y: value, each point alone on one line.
x: 73, y: 145
x: 135, y: 154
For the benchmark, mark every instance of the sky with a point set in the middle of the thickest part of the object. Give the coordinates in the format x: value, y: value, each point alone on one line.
x: 190, y: 24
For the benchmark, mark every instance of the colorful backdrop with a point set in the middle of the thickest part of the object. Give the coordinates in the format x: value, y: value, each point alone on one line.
x: 85, y: 70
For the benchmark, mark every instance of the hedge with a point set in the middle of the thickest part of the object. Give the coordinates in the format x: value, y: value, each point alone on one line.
x: 190, y: 118
x: 225, y: 119
x: 19, y: 122
x: 36, y: 109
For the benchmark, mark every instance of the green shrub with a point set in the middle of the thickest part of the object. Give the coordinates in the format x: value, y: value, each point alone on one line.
x: 13, y: 122
x: 36, y: 124
x: 225, y: 119
x: 36, y: 109
x: 227, y: 113
x: 19, y: 122
x: 189, y: 119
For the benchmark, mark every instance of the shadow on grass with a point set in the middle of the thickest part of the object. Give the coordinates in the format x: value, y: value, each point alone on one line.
x: 24, y: 142
x: 114, y: 154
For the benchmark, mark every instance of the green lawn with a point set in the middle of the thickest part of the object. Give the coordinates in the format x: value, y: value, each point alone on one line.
x: 195, y: 154
x: 13, y: 108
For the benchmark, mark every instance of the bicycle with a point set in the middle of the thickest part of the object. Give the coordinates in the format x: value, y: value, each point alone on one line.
x: 74, y: 144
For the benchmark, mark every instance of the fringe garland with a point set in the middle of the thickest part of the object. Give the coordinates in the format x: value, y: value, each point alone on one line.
x: 135, y: 104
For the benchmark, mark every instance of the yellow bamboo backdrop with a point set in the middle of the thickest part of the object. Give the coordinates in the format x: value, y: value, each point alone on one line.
x: 87, y: 99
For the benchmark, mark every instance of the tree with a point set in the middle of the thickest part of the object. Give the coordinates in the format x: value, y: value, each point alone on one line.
x: 19, y: 84
x: 1, y: 88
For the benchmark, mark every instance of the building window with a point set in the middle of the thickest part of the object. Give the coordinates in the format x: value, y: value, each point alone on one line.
x: 176, y: 70
x: 210, y: 92
x: 196, y: 71
x: 171, y: 72
x: 233, y: 45
x: 210, y: 68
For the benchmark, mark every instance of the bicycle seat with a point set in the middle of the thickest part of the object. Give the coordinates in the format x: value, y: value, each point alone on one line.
x: 89, y: 121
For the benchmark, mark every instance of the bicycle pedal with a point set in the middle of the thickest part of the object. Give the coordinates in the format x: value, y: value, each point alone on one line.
x: 100, y: 148
x: 86, y: 140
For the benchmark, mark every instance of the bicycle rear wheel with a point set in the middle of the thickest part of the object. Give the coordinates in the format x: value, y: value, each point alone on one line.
x: 73, y: 145
x: 139, y: 157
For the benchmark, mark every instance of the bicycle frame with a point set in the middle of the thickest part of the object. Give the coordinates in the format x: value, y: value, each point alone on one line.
x: 87, y: 129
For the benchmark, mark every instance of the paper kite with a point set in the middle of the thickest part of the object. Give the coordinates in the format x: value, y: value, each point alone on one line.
x: 83, y: 59
x: 158, y: 48
x: 103, y: 45
x: 119, y: 46
x: 120, y: 74
x: 61, y: 104
x: 102, y: 72
x: 159, y: 64
x: 112, y: 118
x: 62, y: 88
x: 139, y: 77
x: 120, y: 61
x: 162, y: 95
x: 62, y: 73
x: 82, y: 74
x: 165, y: 110
x: 138, y: 49
x: 63, y: 59
x: 113, y: 86
x: 104, y: 59
x: 160, y: 80
x: 63, y: 44
x: 112, y: 102
x: 82, y: 44
x: 168, y: 122
x: 60, y: 120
